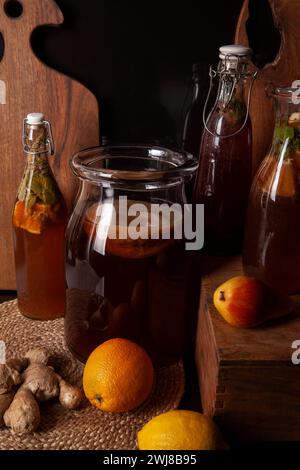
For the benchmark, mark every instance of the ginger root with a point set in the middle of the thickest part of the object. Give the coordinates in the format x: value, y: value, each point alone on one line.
x: 23, y: 415
x: 39, y: 382
x: 42, y: 381
x: 19, y: 364
x: 8, y: 379
x: 5, y: 401
x: 70, y: 396
x: 38, y: 356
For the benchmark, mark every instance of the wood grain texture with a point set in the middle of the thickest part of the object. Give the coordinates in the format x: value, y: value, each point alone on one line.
x: 283, y: 71
x: 268, y: 343
x: 259, y: 403
x: 246, y: 377
x: 31, y: 86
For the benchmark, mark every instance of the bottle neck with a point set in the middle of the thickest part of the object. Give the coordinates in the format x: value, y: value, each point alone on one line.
x: 195, y: 90
x: 230, y: 90
x: 284, y: 110
x: 287, y: 126
x: 230, y: 102
x: 36, y: 143
x: 199, y: 72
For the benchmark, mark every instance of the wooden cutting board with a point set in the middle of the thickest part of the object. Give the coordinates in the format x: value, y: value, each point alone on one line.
x: 27, y: 85
x: 283, y: 71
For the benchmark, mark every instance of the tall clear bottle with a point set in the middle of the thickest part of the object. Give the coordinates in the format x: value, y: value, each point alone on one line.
x: 39, y: 220
x: 193, y: 124
x: 272, y: 242
x: 225, y: 162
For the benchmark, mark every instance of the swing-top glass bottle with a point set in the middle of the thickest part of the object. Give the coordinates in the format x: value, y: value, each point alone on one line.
x: 39, y: 219
x: 224, y: 174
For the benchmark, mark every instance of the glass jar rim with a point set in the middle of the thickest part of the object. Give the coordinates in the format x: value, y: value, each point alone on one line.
x: 284, y: 90
x: 284, y: 93
x: 100, y: 164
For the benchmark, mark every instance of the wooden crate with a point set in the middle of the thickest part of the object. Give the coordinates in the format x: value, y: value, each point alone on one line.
x: 246, y: 376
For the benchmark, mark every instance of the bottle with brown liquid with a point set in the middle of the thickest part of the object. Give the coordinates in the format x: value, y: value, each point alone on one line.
x: 224, y: 174
x: 272, y: 243
x: 39, y: 220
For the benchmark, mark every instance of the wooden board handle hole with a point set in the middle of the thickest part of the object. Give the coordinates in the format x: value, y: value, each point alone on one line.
x: 263, y: 36
x: 13, y: 8
x: 1, y: 46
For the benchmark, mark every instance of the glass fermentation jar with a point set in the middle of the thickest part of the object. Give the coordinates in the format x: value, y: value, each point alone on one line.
x: 126, y: 270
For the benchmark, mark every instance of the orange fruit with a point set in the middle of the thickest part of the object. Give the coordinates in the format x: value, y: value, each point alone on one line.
x: 118, y: 376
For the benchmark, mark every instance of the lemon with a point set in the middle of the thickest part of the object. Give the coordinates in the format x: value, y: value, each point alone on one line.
x: 180, y: 430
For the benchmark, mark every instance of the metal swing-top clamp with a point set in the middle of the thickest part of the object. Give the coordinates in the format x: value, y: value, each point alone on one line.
x: 232, y: 68
x: 37, y: 119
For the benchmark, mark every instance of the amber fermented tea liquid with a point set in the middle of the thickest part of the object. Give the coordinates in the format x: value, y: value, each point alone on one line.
x: 40, y: 269
x: 136, y: 290
x: 223, y: 185
x: 264, y: 256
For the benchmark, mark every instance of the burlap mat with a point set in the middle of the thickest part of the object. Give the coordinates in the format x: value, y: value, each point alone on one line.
x: 87, y: 427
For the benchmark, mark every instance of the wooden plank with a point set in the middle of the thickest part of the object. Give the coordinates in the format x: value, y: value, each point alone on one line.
x: 31, y: 86
x: 207, y: 359
x: 259, y: 403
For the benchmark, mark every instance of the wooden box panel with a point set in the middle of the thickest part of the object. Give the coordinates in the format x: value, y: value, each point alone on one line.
x: 246, y: 376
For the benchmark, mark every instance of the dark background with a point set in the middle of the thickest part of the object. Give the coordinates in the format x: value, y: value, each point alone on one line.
x: 136, y: 56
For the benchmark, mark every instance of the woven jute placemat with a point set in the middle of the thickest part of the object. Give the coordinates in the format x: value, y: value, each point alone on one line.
x: 87, y: 427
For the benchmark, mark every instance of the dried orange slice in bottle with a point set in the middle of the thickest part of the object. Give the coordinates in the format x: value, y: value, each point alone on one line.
x: 294, y: 120
x: 32, y: 219
x: 117, y: 240
x: 34, y: 223
x: 287, y: 184
x: 20, y: 213
x: 281, y: 180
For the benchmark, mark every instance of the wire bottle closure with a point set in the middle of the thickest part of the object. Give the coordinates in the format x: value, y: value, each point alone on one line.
x: 231, y: 76
x: 49, y: 140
